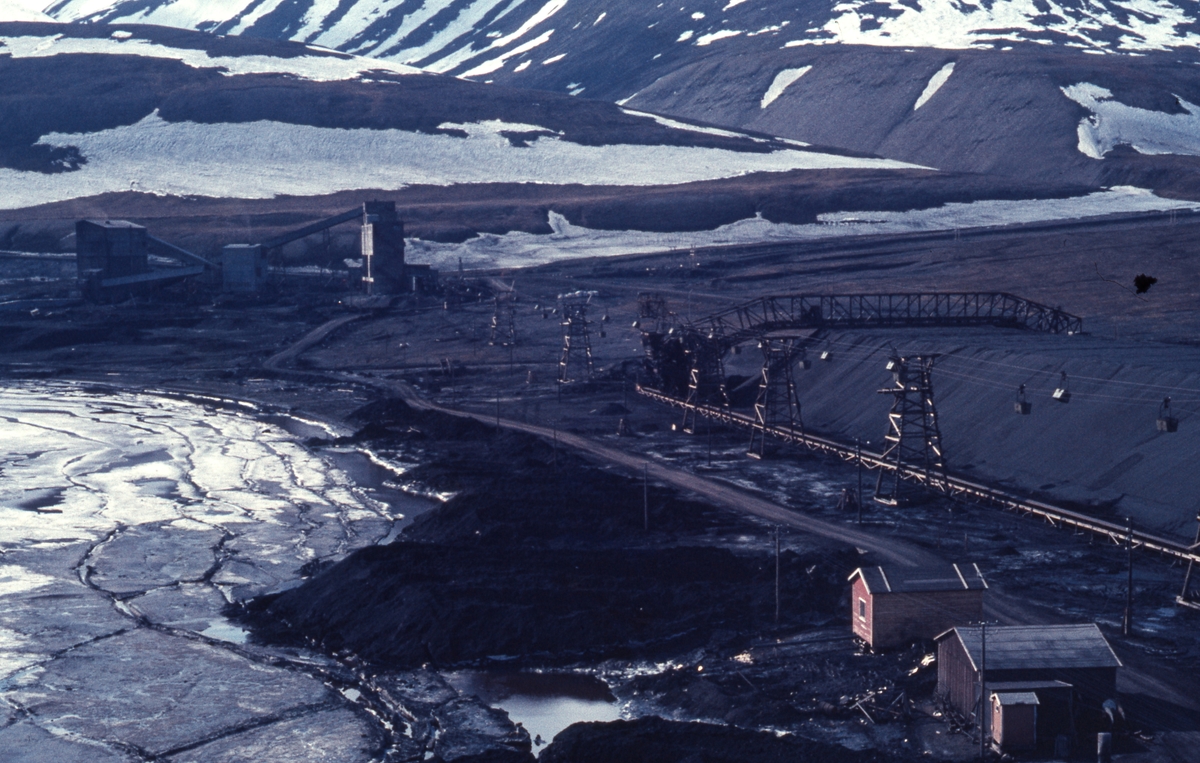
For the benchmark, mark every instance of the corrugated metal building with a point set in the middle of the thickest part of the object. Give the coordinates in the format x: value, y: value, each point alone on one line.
x: 110, y: 249
x: 1039, y: 658
x: 894, y: 605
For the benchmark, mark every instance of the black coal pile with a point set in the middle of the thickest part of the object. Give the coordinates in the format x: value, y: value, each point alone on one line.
x: 654, y: 740
x: 545, y: 559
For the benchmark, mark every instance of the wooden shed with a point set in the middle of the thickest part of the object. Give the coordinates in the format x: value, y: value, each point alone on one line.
x: 1036, y: 655
x: 1014, y: 720
x: 894, y: 605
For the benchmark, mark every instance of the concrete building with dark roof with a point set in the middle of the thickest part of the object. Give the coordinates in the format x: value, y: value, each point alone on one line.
x: 1042, y: 659
x: 894, y: 605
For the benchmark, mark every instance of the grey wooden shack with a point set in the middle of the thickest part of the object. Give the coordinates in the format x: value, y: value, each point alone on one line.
x: 891, y: 606
x: 1078, y: 655
x: 1014, y: 720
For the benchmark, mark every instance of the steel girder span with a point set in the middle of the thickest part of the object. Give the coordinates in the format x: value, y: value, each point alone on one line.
x: 764, y: 315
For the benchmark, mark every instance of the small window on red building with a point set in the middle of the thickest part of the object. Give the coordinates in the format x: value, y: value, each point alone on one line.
x: 862, y: 609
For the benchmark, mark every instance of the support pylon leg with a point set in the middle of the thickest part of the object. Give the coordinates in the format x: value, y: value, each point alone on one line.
x: 1186, y: 597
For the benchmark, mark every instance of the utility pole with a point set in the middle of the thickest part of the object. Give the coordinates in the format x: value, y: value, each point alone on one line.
x: 1127, y: 625
x: 645, y: 496
x: 983, y: 698
x: 709, y: 422
x: 497, y: 411
x: 777, y: 532
x: 858, y: 459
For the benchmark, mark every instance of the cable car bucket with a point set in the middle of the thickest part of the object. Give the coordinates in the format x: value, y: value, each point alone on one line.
x: 1062, y: 393
x: 1166, y: 421
x: 1022, y: 406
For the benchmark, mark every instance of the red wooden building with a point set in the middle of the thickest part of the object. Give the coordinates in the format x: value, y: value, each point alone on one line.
x: 894, y: 605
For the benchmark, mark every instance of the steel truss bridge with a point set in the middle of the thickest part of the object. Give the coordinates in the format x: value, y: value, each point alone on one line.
x: 865, y: 311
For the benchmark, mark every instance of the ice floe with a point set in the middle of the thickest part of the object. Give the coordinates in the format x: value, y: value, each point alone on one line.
x: 1113, y: 123
x: 156, y: 461
x: 570, y: 241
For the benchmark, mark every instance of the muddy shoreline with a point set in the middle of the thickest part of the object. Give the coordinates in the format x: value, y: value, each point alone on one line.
x: 543, y: 562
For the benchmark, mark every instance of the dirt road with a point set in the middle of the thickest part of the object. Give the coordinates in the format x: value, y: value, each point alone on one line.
x: 1146, y: 684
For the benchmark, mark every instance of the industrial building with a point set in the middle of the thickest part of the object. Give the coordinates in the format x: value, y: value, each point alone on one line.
x: 895, y: 605
x: 113, y: 261
x: 112, y: 258
x: 1042, y: 682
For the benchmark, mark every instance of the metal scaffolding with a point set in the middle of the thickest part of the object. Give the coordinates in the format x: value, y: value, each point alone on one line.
x: 577, y: 337
x: 653, y: 315
x: 777, y: 405
x: 914, y: 441
x: 706, y: 381
x: 1190, y: 596
x: 504, y: 325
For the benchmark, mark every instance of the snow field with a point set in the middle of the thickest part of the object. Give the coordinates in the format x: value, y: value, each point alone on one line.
x: 1138, y: 25
x: 1113, y: 123
x: 263, y: 159
x: 521, y: 249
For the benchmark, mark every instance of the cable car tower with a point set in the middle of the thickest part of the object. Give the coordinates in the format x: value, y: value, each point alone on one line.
x: 914, y: 441
x: 504, y: 325
x: 1189, y: 597
x: 777, y: 404
x: 706, y: 380
x: 577, y: 337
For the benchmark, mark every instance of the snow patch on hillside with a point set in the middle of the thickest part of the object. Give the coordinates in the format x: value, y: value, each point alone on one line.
x: 1136, y: 25
x: 1113, y: 123
x: 568, y: 241
x: 935, y: 84
x: 676, y: 125
x: 265, y: 158
x: 487, y: 67
x: 319, y: 68
x: 783, y: 80
x: 23, y: 10
x: 721, y: 34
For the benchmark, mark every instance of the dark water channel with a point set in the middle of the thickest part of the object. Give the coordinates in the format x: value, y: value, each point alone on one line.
x: 544, y: 703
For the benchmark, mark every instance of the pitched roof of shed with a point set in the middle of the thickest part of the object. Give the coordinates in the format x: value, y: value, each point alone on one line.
x: 1020, y: 647
x: 949, y: 577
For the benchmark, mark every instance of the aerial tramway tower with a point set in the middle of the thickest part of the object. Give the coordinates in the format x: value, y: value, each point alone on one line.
x: 914, y: 441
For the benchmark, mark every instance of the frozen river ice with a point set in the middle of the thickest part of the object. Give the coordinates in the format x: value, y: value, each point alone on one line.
x: 127, y: 522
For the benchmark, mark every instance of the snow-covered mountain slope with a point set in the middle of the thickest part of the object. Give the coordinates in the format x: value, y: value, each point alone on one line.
x: 973, y: 87
x: 141, y: 121
x: 93, y: 109
x: 481, y: 36
x: 1031, y: 113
